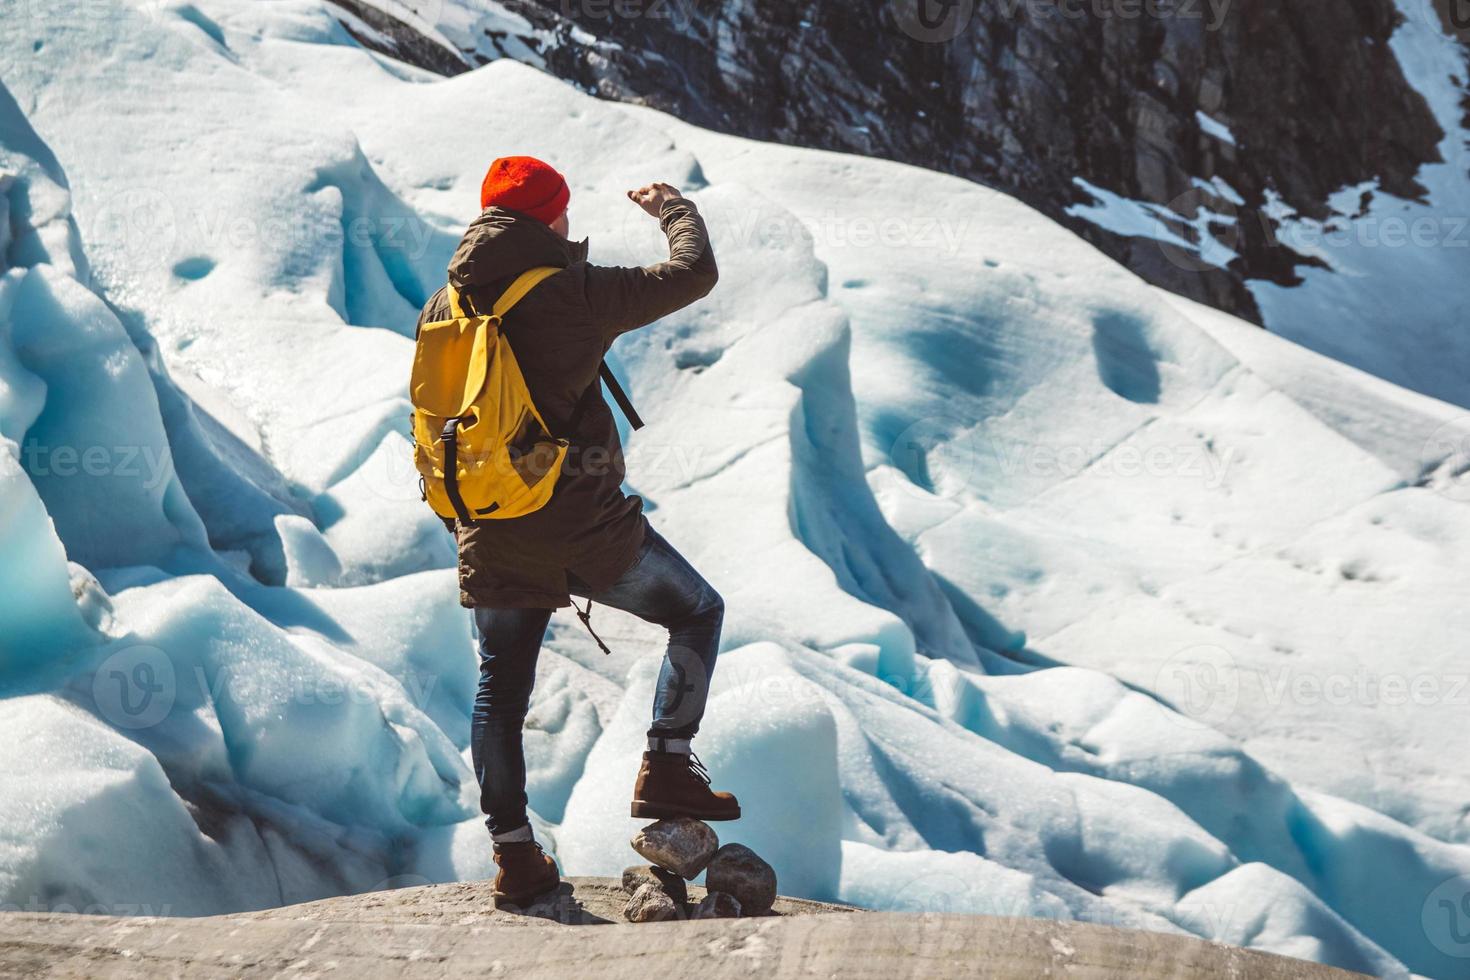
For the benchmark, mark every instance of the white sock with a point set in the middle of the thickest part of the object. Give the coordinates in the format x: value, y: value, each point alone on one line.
x: 657, y: 743
x: 522, y: 833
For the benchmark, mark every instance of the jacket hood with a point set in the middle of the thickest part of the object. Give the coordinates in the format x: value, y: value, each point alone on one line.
x: 502, y: 243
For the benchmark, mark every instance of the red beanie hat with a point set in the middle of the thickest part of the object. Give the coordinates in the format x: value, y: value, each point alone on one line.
x: 527, y: 185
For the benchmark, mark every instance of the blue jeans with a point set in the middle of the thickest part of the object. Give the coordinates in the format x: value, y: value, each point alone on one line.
x: 660, y: 587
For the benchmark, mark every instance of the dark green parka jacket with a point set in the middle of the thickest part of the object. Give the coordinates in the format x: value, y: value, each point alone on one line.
x: 559, y: 333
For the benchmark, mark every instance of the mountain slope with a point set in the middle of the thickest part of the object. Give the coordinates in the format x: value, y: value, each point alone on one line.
x: 1304, y: 166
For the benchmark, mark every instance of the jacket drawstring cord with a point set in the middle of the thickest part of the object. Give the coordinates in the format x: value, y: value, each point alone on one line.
x: 586, y: 617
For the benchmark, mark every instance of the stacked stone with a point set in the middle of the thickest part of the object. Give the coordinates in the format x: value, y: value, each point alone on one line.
x: 737, y: 881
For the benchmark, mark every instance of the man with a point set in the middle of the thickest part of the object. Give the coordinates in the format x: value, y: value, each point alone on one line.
x: 590, y: 540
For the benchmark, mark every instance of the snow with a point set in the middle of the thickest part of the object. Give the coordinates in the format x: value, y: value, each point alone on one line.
x: 937, y: 882
x: 1255, y: 904
x: 310, y: 560
x: 1129, y: 218
x: 485, y: 27
x: 1214, y: 127
x: 1040, y: 583
x: 98, y: 454
x: 75, y: 791
x: 1145, y: 219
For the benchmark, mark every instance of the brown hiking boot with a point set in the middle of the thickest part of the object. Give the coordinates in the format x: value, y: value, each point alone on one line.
x: 525, y: 872
x: 672, y: 784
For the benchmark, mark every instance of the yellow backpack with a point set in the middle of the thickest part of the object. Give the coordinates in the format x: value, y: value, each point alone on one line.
x: 481, y: 447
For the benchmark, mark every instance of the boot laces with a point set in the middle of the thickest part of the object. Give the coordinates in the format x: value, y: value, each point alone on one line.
x: 697, y: 767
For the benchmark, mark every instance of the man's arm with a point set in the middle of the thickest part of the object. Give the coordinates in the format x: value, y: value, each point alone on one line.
x: 623, y: 299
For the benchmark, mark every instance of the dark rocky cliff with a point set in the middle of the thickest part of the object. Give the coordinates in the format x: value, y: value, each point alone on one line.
x: 1026, y: 95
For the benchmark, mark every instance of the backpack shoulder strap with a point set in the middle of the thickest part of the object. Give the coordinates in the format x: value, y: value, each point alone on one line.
x: 517, y: 291
x: 523, y: 284
x: 604, y: 373
x: 460, y: 306
x: 457, y: 302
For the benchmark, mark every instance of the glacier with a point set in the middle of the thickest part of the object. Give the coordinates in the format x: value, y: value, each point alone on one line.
x: 1049, y: 593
